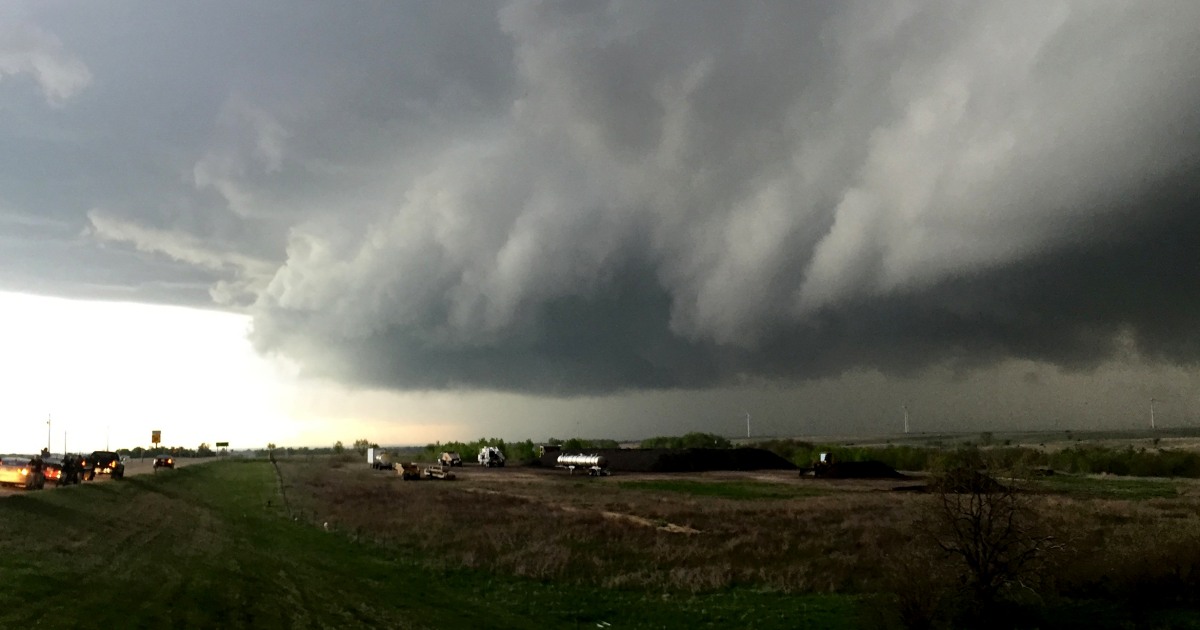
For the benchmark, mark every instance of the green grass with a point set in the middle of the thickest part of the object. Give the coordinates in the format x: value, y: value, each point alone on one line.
x: 743, y: 490
x: 1109, y: 488
x: 209, y: 546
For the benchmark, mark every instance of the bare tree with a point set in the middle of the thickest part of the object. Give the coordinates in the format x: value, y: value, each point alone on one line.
x: 990, y: 525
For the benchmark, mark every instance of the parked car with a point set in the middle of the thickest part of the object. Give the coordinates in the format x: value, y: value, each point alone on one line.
x: 65, y: 471
x: 22, y: 471
x: 52, y: 469
x: 105, y: 463
x: 164, y: 461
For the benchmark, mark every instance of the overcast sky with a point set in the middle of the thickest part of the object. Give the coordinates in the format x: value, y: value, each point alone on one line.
x: 622, y: 218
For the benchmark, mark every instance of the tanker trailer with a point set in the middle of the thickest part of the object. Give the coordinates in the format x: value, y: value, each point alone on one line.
x: 596, y: 465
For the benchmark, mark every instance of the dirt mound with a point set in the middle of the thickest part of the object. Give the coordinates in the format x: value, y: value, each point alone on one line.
x: 859, y: 470
x: 684, y: 460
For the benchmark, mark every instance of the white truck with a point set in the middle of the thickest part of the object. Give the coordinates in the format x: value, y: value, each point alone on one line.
x: 490, y: 456
x: 379, y: 459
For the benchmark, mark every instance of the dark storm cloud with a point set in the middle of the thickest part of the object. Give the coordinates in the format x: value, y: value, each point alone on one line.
x: 591, y: 197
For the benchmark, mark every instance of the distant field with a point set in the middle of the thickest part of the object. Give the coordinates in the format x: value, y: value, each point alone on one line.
x: 1134, y: 489
x: 1186, y: 438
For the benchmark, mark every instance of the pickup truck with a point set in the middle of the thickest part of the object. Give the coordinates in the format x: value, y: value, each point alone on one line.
x: 105, y: 463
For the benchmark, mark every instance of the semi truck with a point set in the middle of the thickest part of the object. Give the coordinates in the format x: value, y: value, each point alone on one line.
x: 379, y: 459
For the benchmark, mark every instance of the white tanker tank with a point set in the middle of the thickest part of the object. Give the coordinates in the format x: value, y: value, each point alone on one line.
x: 596, y: 465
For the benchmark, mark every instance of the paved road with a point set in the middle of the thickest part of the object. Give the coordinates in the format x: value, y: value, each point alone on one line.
x: 132, y: 467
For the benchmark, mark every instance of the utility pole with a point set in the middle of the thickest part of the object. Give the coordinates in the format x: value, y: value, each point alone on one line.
x: 47, y: 432
x: 1152, y: 414
x: 905, y: 408
x: 747, y: 424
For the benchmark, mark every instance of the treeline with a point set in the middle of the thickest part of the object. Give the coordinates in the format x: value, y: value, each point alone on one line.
x: 1083, y: 459
x: 688, y: 440
x: 204, y: 450
x: 516, y: 452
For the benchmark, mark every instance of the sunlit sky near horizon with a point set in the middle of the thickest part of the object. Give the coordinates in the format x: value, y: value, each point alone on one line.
x: 413, y: 221
x: 109, y: 373
x: 112, y: 372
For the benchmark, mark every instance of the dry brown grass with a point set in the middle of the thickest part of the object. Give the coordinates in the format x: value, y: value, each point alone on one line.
x: 858, y: 538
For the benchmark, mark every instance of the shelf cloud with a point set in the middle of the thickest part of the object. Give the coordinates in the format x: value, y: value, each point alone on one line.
x: 587, y: 198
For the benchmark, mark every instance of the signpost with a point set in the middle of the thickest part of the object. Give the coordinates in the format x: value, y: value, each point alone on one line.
x: 222, y: 444
x: 156, y: 436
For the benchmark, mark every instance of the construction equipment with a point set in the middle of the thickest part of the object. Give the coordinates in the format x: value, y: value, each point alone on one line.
x: 823, y: 464
x: 409, y: 472
x: 828, y: 467
x: 490, y: 456
x: 450, y: 458
x: 438, y: 471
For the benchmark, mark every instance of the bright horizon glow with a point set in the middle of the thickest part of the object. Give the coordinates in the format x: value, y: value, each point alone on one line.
x: 109, y: 373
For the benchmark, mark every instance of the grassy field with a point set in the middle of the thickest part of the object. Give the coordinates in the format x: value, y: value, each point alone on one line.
x: 212, y: 546
x: 333, y: 544
x: 1091, y: 487
x: 1120, y: 552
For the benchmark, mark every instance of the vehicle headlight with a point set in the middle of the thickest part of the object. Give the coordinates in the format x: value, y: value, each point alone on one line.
x: 24, y: 471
